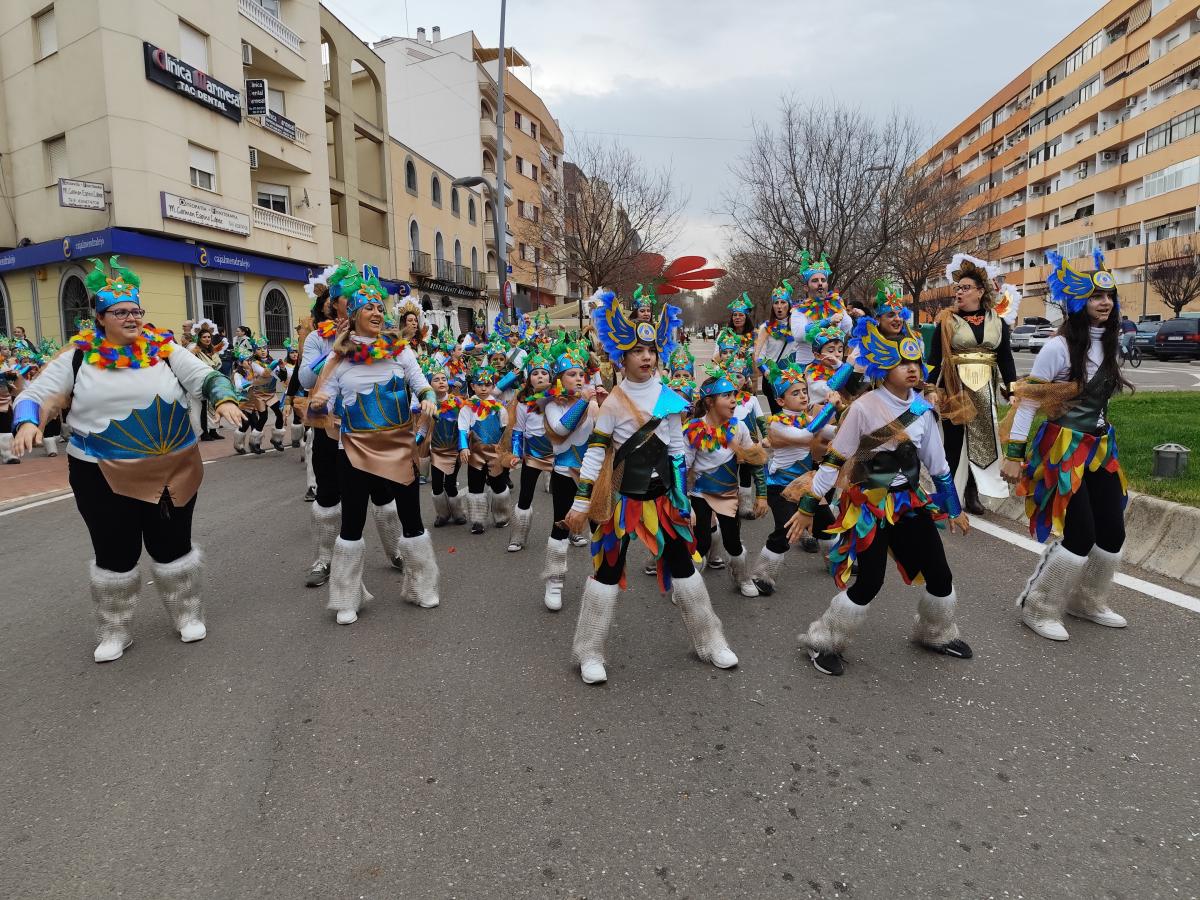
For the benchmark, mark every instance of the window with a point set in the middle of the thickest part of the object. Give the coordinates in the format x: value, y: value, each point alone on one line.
x: 1172, y: 42
x: 520, y: 166
x: 533, y: 130
x: 474, y: 259
x: 471, y: 210
x: 277, y: 317
x: 554, y: 161
x: 1089, y: 90
x: 56, y: 159
x: 271, y: 6
x: 410, y: 177
x: 455, y: 209
x: 274, y: 196
x: 439, y: 247
x: 517, y: 118
x: 457, y: 252
x: 275, y: 102
x: 521, y: 251
x: 73, y: 300
x: 1172, y: 178
x: 193, y: 46
x: 414, y: 237
x: 435, y: 191
x: 45, y: 36
x: 203, y: 165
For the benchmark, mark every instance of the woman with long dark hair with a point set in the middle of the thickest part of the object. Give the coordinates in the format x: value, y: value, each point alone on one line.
x: 1069, y: 474
x: 775, y: 342
x: 971, y: 362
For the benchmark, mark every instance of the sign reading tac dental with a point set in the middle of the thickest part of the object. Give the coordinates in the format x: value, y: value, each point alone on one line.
x: 176, y: 75
x: 81, y: 194
x: 196, y: 212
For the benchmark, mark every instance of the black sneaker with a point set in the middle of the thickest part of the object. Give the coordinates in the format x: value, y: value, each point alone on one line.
x: 809, y: 544
x: 441, y: 521
x: 715, y: 564
x: 765, y: 588
x: 398, y: 563
x: 277, y: 445
x: 317, y: 575
x: 310, y: 495
x: 827, y: 663
x: 295, y: 444
x: 477, y: 528
x: 957, y: 648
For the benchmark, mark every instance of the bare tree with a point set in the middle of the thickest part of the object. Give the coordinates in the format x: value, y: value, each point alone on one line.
x: 829, y: 178
x: 612, y: 216
x: 1174, y: 274
x: 930, y: 229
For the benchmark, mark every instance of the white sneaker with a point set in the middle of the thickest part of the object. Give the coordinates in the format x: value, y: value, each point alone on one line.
x: 1047, y: 628
x: 193, y: 631
x: 580, y: 540
x: 748, y: 589
x: 346, y: 617
x: 1105, y: 617
x: 724, y: 658
x: 110, y: 649
x: 592, y: 672
x: 553, y: 598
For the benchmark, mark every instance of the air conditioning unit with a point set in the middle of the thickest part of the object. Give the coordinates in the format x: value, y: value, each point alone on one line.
x: 1108, y: 156
x: 1131, y: 102
x: 247, y: 55
x: 254, y: 157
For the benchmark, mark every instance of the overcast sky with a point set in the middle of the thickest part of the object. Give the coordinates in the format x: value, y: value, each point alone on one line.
x: 683, y: 81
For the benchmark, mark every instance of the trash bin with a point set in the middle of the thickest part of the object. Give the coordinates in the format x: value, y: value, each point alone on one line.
x: 1170, y: 460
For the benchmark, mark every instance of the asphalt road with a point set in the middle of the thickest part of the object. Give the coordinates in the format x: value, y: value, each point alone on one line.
x: 1151, y: 375
x: 455, y: 753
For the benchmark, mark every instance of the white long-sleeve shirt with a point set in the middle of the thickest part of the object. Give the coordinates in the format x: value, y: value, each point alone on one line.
x: 873, y: 411
x: 614, y: 420
x: 1053, y: 364
x: 701, y: 461
x: 554, y: 412
x: 103, y: 395
x: 315, y: 349
x: 348, y: 379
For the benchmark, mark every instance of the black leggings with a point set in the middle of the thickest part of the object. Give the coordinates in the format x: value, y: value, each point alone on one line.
x: 325, y: 468
x: 358, y: 487
x: 917, y: 547
x: 478, y: 478
x: 529, y: 483
x: 1095, y: 515
x: 562, y: 493
x: 745, y: 475
x: 119, y: 525
x: 783, y: 509
x: 731, y: 529
x: 254, y: 420
x: 443, y: 483
x: 278, y: 410
x: 676, y: 555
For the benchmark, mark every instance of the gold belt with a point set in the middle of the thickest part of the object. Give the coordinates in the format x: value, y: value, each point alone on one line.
x: 974, y: 368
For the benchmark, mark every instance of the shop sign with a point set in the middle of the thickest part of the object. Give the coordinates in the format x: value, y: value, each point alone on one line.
x: 197, y: 212
x: 176, y: 75
x: 74, y: 194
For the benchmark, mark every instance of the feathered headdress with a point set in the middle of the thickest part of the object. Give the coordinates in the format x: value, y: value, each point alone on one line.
x: 539, y: 359
x: 118, y: 286
x: 1008, y: 302
x: 618, y: 334
x: 819, y: 335
x: 808, y: 268
x: 501, y: 328
x: 719, y: 382
x: 684, y: 386
x: 888, y: 299
x: 963, y: 263
x: 880, y: 354
x: 289, y: 345
x: 1071, y: 289
x: 407, y: 307
x: 568, y: 355
x: 728, y: 340
x: 737, y: 365
x: 483, y: 374
x: 783, y: 377
x: 347, y: 281
x: 682, y: 360
x: 204, y: 325
x: 783, y: 292
x: 742, y: 304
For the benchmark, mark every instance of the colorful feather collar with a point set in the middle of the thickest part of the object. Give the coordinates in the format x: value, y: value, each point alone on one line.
x: 326, y: 329
x: 146, y: 350
x: 705, y: 437
x: 483, y: 407
x: 385, y: 346
x: 452, y: 404
x: 779, y: 330
x: 819, y: 371
x: 790, y: 419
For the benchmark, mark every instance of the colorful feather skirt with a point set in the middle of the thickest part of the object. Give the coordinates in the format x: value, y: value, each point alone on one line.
x: 861, y: 513
x: 651, y: 522
x: 1054, y: 466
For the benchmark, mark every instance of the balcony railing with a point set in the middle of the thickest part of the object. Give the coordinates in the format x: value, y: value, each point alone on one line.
x: 281, y: 223
x: 419, y: 263
x: 282, y: 126
x: 270, y: 24
x: 463, y: 275
x: 445, y: 269
x: 481, y: 281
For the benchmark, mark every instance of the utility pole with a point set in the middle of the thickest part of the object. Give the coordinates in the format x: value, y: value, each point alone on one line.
x: 498, y: 194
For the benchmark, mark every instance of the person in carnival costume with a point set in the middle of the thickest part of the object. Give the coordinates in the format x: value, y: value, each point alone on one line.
x: 718, y: 446
x: 440, y: 439
x: 818, y: 306
x: 775, y: 341
x: 681, y: 377
x: 642, y: 304
x: 481, y: 424
x: 793, y: 432
x: 274, y: 402
x: 208, y: 350
x: 881, y: 443
x: 748, y: 411
x: 828, y: 343
x: 971, y: 362
x: 570, y: 411
x: 291, y: 362
x: 740, y: 325
x: 634, y: 483
x: 245, y: 371
x: 371, y: 376
x: 530, y: 444
x: 1069, y: 473
x: 133, y: 458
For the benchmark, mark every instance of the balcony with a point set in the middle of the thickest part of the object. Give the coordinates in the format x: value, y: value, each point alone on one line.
x: 281, y: 126
x: 280, y: 223
x: 270, y: 24
x: 419, y: 263
x: 445, y: 269
x: 487, y: 136
x: 481, y: 281
x: 463, y: 275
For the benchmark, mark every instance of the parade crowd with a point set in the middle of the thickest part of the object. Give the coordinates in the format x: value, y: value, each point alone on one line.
x: 860, y: 440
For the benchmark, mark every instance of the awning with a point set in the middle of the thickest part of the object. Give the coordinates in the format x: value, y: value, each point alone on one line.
x: 1139, y: 16
x: 1176, y: 219
x: 1178, y: 73
x: 1139, y: 57
x: 1115, y: 70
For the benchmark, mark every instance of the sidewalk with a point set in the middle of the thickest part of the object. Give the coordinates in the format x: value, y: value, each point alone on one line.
x: 38, y: 476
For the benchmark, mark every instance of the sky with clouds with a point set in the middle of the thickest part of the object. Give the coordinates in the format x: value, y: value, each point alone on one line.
x: 682, y: 82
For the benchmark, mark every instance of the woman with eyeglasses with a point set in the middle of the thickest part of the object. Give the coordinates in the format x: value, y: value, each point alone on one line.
x: 133, y: 459
x: 971, y: 363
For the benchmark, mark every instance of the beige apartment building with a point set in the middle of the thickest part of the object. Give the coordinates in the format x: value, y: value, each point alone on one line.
x: 443, y: 231
x: 1096, y: 144
x: 126, y: 128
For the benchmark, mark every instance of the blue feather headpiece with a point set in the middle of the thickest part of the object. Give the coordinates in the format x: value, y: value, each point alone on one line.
x: 742, y: 304
x: 619, y: 334
x: 819, y: 334
x: 783, y: 377
x: 808, y: 268
x: 1071, y: 289
x: 719, y: 383
x: 879, y: 355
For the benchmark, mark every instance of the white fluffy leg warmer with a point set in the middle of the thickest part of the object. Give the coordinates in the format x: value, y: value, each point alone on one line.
x: 114, y: 595
x: 420, y: 571
x: 387, y: 522
x: 555, y: 572
x: 703, y: 626
x: 935, y: 626
x: 179, y: 586
x: 347, y: 595
x: 766, y: 568
x: 327, y: 521
x: 595, y: 619
x: 1089, y: 600
x: 1046, y: 593
x: 832, y: 632
x: 521, y: 520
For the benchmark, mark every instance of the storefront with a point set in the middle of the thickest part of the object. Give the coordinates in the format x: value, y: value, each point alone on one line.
x: 446, y: 304
x: 42, y: 285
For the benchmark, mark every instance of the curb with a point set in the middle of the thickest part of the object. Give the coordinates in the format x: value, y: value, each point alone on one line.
x: 1159, y: 535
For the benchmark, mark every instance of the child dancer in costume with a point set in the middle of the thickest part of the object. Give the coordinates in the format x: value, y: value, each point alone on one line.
x: 1069, y: 474
x: 570, y: 413
x: 638, y: 432
x: 748, y: 411
x: 828, y: 346
x: 373, y: 375
x: 530, y: 444
x: 481, y: 423
x: 133, y: 457
x: 792, y: 432
x: 883, y: 440
x: 245, y: 372
x: 441, y: 439
x: 718, y: 446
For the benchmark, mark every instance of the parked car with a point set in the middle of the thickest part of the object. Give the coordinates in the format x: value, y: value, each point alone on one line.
x: 1178, y: 338
x: 1038, y: 339
x: 1019, y: 338
x: 1143, y: 338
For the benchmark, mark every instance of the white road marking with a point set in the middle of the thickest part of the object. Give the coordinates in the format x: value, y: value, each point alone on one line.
x: 1137, y: 584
